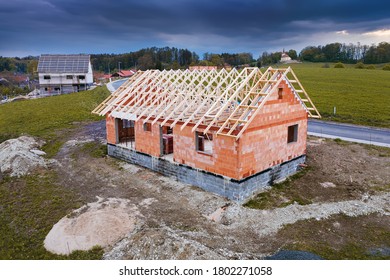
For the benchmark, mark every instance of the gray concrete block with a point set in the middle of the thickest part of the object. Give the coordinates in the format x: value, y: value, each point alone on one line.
x: 237, y: 190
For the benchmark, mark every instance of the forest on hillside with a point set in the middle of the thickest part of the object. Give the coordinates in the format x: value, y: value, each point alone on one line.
x: 335, y: 52
x: 175, y: 58
x: 165, y: 58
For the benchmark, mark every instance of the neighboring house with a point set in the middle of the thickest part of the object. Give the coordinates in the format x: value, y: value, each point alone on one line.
x: 123, y: 74
x: 64, y: 73
x: 229, y: 132
x: 285, y: 58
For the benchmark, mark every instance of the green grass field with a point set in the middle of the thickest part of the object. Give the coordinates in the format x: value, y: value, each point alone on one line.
x: 32, y: 204
x: 42, y: 117
x: 361, y: 96
x: 45, y: 117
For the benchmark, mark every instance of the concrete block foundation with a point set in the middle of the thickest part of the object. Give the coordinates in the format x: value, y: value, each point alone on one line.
x: 236, y: 190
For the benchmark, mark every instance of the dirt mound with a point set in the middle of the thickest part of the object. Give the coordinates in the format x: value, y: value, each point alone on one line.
x: 161, y: 244
x: 100, y: 223
x: 167, y: 243
x: 20, y: 156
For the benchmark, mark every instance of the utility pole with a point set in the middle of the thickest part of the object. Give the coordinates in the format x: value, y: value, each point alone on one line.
x: 109, y: 72
x: 119, y: 66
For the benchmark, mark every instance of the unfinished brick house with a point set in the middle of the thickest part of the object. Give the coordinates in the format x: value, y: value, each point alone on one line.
x: 230, y: 132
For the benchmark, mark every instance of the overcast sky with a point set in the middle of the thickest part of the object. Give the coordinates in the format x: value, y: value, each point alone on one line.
x: 33, y: 27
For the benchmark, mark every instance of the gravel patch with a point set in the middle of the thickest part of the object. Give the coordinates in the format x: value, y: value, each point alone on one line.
x: 266, y: 222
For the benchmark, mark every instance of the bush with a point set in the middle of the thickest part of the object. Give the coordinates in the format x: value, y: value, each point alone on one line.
x: 339, y: 65
x: 360, y: 65
x: 371, y: 67
x: 386, y: 67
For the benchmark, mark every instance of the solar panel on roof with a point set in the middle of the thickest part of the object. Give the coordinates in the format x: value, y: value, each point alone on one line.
x: 63, y: 64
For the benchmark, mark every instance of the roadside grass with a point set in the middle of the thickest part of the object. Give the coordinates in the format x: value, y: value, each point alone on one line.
x: 337, y: 237
x: 341, y: 142
x: 361, y: 96
x: 46, y: 117
x: 381, y: 151
x: 372, y: 149
x: 30, y: 206
x: 280, y: 195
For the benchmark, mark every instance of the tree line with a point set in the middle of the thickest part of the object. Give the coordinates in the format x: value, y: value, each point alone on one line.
x: 148, y: 58
x: 19, y: 65
x: 337, y: 52
x: 175, y: 58
x: 165, y: 58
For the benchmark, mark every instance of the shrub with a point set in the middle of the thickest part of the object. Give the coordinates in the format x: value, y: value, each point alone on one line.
x: 339, y: 65
x: 386, y: 67
x: 360, y: 65
x: 371, y: 67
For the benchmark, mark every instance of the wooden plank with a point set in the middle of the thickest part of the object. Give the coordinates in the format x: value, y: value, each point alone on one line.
x: 228, y: 135
x: 218, y: 100
x: 236, y: 120
x: 248, y: 106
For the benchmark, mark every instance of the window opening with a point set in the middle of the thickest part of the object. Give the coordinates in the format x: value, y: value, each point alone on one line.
x: 292, y: 133
x: 204, y: 142
x: 147, y: 127
x: 280, y: 93
x: 126, y: 133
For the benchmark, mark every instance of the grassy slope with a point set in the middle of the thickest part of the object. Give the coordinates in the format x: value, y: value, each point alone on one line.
x: 42, y: 117
x: 361, y: 96
x: 31, y: 205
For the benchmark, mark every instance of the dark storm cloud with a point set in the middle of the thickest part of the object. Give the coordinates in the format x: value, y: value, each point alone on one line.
x: 123, y: 25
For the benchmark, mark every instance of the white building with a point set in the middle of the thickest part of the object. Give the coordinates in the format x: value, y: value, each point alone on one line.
x: 64, y: 73
x: 285, y: 58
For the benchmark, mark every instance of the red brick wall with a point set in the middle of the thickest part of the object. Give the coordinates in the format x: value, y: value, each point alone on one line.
x: 147, y: 141
x: 110, y: 129
x: 264, y: 143
x: 223, y: 160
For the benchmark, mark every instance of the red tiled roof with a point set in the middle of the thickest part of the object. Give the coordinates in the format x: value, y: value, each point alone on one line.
x: 123, y: 73
x: 126, y: 73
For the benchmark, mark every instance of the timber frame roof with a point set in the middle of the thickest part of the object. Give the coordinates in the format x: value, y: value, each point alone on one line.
x: 224, y: 101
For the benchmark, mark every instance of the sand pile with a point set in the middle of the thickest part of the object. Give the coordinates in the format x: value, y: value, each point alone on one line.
x: 100, y: 223
x: 21, y: 155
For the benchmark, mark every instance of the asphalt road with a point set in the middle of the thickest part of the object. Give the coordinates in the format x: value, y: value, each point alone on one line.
x: 348, y: 132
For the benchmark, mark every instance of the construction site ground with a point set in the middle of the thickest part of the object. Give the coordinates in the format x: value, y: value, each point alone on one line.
x: 338, y: 207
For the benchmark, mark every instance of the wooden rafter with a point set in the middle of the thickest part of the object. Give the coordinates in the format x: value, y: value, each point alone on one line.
x: 226, y: 101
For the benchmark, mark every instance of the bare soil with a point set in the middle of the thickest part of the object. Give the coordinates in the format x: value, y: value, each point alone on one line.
x: 355, y: 170
x: 180, y: 221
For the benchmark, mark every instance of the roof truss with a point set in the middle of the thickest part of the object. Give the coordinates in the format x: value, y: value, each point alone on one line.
x: 225, y: 101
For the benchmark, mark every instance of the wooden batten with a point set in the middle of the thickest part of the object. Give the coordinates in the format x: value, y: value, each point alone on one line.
x: 224, y: 102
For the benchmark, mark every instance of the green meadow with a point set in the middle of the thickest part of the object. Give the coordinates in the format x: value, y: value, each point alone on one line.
x: 361, y: 96
x: 32, y: 204
x: 44, y: 117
